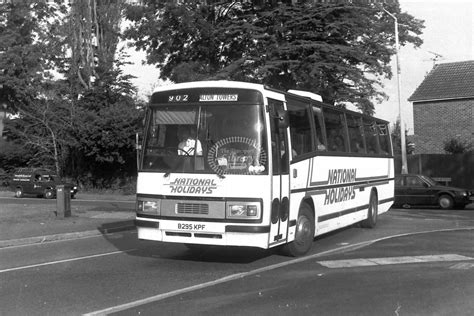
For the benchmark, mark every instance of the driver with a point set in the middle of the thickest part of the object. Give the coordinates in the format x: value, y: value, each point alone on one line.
x: 189, y: 144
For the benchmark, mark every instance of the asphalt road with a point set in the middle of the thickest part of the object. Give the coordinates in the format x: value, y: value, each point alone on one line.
x: 416, y: 262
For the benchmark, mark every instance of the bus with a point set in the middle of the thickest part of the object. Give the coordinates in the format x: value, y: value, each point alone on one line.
x: 240, y: 164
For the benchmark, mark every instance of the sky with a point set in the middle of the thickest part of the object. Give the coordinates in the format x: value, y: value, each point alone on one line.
x: 448, y: 32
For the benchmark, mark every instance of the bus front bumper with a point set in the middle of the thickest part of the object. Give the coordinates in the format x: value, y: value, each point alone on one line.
x: 205, y: 233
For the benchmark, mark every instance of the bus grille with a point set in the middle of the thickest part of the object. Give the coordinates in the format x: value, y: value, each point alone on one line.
x: 191, y: 208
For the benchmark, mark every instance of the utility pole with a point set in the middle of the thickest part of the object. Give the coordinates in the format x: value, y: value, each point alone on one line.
x: 399, y: 88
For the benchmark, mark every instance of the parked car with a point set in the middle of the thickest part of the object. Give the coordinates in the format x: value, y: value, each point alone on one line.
x: 39, y: 182
x: 417, y: 189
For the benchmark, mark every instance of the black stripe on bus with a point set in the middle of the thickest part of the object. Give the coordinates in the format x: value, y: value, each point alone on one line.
x: 357, y: 180
x: 341, y: 213
x: 141, y: 196
x: 247, y: 229
x: 386, y: 200
x: 147, y: 224
x: 318, y: 189
x: 199, y: 219
x: 349, y: 211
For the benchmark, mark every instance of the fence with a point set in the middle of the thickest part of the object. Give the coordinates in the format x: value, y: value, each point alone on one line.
x: 457, y: 170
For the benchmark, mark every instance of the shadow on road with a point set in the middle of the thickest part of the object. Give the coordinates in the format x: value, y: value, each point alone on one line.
x: 123, y: 236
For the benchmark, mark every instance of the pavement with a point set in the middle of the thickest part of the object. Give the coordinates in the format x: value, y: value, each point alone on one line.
x: 30, y: 223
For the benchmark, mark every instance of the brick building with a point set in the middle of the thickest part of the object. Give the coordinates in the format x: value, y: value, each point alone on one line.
x: 443, y: 107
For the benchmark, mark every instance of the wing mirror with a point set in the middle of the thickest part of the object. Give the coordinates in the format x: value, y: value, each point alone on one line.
x: 282, y: 119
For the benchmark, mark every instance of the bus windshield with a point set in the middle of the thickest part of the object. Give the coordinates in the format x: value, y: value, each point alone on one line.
x: 206, y: 138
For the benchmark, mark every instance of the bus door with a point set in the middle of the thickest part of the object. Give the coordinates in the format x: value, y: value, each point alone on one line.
x: 280, y: 176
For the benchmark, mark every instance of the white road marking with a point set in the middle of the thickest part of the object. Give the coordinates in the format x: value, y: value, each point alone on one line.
x: 462, y: 266
x: 63, y: 261
x: 362, y: 262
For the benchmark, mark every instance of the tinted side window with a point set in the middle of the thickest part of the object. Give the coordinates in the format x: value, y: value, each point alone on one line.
x: 300, y: 126
x: 384, y: 139
x: 356, y: 134
x: 371, y: 139
x: 414, y: 182
x: 335, y: 130
x: 318, y: 124
x: 280, y: 152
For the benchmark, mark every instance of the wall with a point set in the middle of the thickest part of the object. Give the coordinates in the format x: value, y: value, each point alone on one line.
x: 437, y: 122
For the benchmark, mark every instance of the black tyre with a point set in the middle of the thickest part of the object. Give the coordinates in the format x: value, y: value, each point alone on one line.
x: 48, y: 194
x: 445, y: 202
x: 372, y: 212
x: 19, y: 193
x: 304, y: 234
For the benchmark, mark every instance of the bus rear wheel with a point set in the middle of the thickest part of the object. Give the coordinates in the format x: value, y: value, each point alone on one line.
x: 304, y: 234
x: 372, y: 212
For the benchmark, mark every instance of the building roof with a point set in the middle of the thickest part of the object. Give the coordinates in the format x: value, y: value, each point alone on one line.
x: 446, y: 82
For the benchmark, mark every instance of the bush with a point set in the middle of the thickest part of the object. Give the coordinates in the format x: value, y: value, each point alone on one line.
x: 456, y: 146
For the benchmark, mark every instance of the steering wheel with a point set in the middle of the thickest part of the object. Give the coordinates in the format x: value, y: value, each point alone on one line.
x: 187, y: 153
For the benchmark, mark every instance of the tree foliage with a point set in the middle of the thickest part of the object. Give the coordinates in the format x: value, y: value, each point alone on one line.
x: 27, y: 43
x: 341, y: 51
x: 26, y: 37
x: 457, y: 146
x: 73, y: 108
x: 94, y: 28
x: 397, y: 140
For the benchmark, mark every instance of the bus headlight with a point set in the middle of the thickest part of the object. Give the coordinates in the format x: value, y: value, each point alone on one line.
x: 153, y: 207
x: 242, y: 210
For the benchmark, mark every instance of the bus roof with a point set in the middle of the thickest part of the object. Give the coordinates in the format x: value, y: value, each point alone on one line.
x: 257, y: 87
x: 211, y: 83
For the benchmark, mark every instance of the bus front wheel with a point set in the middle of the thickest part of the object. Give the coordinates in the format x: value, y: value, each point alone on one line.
x: 372, y: 212
x: 304, y: 233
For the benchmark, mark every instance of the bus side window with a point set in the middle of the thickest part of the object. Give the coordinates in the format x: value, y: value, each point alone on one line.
x: 356, y: 136
x: 300, y: 126
x: 318, y: 124
x: 335, y: 130
x: 384, y: 138
x: 371, y: 139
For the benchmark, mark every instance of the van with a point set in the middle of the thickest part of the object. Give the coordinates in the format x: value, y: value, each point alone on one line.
x: 38, y: 182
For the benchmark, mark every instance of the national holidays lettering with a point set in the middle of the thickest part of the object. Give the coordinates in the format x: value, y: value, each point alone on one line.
x: 342, y: 193
x: 192, y: 186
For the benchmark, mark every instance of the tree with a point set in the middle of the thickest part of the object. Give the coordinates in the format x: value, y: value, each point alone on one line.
x: 83, y: 119
x: 44, y: 129
x: 396, y: 140
x: 340, y: 51
x: 94, y: 28
x: 26, y: 49
x: 27, y: 43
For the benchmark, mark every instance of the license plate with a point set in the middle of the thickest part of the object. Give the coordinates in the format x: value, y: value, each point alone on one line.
x: 191, y: 226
